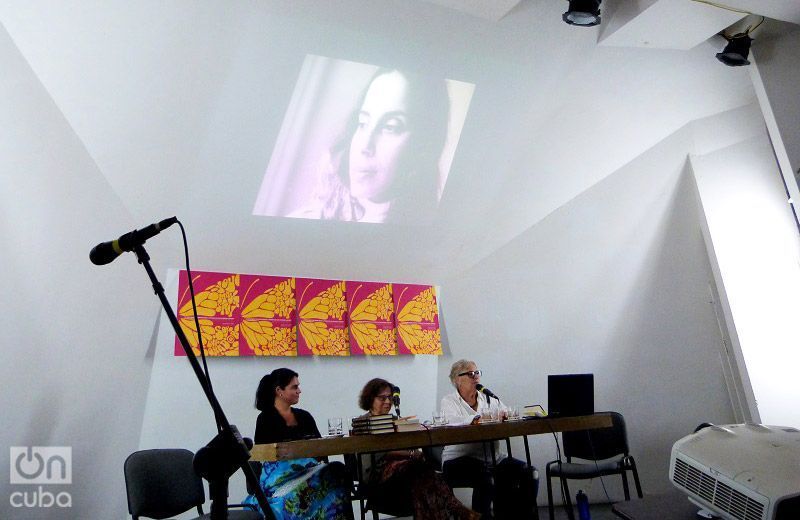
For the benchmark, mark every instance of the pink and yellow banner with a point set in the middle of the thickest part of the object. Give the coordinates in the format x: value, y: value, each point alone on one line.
x: 322, y: 319
x: 417, y: 317
x: 257, y: 315
x: 268, y: 316
x: 217, y: 298
x: 239, y: 315
x: 371, y: 318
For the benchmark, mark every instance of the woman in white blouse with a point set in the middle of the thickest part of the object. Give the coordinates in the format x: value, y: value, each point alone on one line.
x: 469, y: 465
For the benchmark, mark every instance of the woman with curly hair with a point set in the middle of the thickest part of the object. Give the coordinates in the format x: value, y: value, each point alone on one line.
x: 404, y: 476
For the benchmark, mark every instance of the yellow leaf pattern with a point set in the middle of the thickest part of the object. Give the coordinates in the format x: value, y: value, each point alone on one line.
x: 220, y: 299
x: 374, y: 341
x: 422, y: 308
x: 223, y: 341
x: 275, y: 302
x: 218, y: 302
x: 321, y: 339
x: 329, y: 304
x: 377, y: 307
x: 265, y: 324
x: 419, y: 339
x: 324, y: 341
x: 218, y: 340
x: 261, y: 334
x: 267, y: 340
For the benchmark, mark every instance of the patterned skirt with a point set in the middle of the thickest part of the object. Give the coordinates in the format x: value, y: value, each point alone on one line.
x: 303, y: 489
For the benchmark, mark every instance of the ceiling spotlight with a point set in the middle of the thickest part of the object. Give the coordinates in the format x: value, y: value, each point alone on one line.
x: 585, y: 13
x: 735, y: 52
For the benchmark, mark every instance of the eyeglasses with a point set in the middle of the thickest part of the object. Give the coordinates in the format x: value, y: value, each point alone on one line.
x: 471, y: 373
x: 383, y: 398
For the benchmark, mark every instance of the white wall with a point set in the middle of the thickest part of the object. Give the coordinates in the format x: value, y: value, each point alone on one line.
x: 756, y: 252
x: 615, y: 283
x: 74, y: 369
x: 776, y: 76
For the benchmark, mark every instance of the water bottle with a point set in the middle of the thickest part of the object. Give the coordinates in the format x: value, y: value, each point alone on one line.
x: 582, y: 501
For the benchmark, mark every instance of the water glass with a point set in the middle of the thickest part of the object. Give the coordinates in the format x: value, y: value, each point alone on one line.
x: 335, y: 426
x: 513, y: 413
x: 438, y: 418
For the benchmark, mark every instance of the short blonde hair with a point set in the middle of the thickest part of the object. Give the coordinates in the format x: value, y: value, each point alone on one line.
x: 458, y: 367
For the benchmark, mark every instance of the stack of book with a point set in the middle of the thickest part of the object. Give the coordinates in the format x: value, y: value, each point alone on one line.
x: 407, y: 424
x: 373, y: 424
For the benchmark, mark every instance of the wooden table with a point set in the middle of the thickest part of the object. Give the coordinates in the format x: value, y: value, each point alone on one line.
x: 431, y: 437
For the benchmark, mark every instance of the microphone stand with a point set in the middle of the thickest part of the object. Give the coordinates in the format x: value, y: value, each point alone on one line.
x: 227, y: 451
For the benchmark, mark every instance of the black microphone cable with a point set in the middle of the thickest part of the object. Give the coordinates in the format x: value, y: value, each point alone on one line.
x: 196, y: 320
x: 106, y: 252
x: 597, y: 466
x: 560, y: 462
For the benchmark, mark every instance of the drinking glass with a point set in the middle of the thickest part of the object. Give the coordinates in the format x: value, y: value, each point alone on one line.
x: 513, y: 413
x: 335, y: 426
x: 438, y: 418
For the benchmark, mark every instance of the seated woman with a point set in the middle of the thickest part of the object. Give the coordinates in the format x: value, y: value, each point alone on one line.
x: 470, y: 464
x: 404, y: 475
x: 301, y: 488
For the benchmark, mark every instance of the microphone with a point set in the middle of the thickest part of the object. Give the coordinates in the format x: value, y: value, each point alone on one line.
x: 485, y: 391
x: 396, y: 399
x: 106, y: 252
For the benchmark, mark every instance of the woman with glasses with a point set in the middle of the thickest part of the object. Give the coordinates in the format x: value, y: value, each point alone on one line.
x: 300, y: 488
x: 470, y: 464
x: 403, y: 476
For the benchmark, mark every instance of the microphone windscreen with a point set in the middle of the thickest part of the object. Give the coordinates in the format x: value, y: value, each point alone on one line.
x: 103, y: 254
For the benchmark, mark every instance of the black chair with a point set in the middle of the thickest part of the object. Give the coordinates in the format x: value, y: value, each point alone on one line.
x: 162, y: 483
x: 605, y: 449
x: 372, y: 499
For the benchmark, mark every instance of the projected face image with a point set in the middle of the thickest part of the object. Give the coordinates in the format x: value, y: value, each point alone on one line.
x: 388, y: 160
x: 381, y: 139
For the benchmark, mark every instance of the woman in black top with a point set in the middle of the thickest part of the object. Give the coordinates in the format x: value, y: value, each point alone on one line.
x: 301, y: 488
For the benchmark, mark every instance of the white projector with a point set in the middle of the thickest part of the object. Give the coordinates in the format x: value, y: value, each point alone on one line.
x: 740, y: 471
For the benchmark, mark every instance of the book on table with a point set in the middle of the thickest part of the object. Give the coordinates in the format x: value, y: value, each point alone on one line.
x: 407, y: 424
x: 373, y: 424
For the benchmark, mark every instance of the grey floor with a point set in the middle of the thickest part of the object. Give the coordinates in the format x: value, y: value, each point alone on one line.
x: 599, y: 512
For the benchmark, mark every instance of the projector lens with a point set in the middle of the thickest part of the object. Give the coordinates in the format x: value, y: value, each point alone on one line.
x: 580, y: 18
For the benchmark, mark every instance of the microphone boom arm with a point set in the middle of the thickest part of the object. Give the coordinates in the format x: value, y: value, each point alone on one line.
x: 228, y: 442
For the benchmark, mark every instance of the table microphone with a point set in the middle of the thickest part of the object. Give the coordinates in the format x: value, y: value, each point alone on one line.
x: 485, y: 391
x: 396, y: 399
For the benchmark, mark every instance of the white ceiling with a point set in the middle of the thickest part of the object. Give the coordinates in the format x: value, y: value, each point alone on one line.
x: 492, y: 10
x: 785, y: 10
x: 179, y: 105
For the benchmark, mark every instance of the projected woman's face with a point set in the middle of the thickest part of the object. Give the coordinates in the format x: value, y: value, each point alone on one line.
x: 379, y: 143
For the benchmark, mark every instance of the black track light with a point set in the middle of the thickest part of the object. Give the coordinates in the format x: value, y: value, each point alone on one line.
x: 735, y: 52
x: 585, y: 13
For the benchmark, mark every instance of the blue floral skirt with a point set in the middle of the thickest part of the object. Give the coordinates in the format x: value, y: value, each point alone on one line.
x: 303, y: 489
